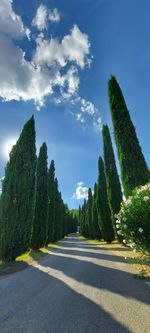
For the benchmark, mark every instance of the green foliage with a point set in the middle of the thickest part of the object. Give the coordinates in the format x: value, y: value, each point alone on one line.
x: 89, y: 214
x: 112, y: 179
x: 84, y: 230
x: 134, y: 170
x: 105, y: 221
x: 51, y: 198
x: 133, y: 220
x: 40, y: 218
x: 97, y: 232
x: 17, y: 196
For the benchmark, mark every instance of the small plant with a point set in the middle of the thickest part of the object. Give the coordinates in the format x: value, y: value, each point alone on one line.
x: 133, y: 220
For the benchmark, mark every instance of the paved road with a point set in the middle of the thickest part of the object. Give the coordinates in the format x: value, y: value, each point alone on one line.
x: 78, y: 288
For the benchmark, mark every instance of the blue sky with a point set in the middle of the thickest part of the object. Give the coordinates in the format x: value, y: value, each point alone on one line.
x: 55, y: 62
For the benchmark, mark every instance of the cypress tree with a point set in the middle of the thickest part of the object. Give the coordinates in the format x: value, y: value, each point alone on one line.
x: 51, y: 198
x: 57, y: 215
x: 112, y: 179
x: 83, y: 220
x: 97, y: 232
x: 103, y: 206
x: 17, y: 196
x: 80, y: 221
x: 134, y: 171
x: 89, y: 214
x: 40, y: 218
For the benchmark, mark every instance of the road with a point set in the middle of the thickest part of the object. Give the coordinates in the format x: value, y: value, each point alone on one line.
x: 77, y: 288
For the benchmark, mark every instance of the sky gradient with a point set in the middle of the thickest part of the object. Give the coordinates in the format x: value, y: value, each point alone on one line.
x: 55, y: 62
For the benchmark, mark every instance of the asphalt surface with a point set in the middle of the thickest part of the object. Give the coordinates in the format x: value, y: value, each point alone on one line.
x: 78, y: 288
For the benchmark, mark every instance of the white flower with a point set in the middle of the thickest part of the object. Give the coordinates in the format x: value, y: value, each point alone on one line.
x: 125, y: 226
x: 117, y: 226
x: 117, y: 221
x: 146, y: 198
x: 131, y: 245
x: 119, y: 232
x: 124, y: 241
x: 140, y: 230
x: 128, y: 202
x: 124, y: 219
x: 132, y: 233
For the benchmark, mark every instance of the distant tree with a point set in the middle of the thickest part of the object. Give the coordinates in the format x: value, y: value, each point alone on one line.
x: 103, y: 205
x: 17, y: 196
x: 89, y: 214
x: 134, y: 170
x: 97, y: 232
x: 84, y: 226
x: 112, y: 179
x: 40, y: 218
x: 51, y: 205
x: 57, y: 211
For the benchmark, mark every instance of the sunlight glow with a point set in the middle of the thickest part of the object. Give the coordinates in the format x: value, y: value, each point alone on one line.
x: 7, y: 146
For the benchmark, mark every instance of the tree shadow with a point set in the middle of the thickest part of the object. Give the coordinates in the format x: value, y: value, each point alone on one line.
x: 37, y: 302
x: 87, y: 254
x: 12, y: 267
x: 100, y: 277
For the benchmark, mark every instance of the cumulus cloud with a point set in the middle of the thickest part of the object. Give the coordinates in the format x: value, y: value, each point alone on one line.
x: 43, y: 16
x: 74, y: 47
x: 81, y: 191
x: 25, y: 80
x: 54, y: 15
x: 55, y: 65
x: 10, y: 23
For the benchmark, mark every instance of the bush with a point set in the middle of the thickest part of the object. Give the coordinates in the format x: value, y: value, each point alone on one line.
x: 133, y: 220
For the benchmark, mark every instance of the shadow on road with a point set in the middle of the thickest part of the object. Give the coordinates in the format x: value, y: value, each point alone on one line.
x: 94, y: 274
x: 46, y: 304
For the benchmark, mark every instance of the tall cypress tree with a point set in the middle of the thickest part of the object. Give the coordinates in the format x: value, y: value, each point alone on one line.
x: 40, y: 218
x: 17, y: 196
x: 89, y: 214
x: 51, y: 198
x: 97, y: 232
x: 57, y: 213
x: 112, y: 179
x: 103, y: 206
x: 134, y: 170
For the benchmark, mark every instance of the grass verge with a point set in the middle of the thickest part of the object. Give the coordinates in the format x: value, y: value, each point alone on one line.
x: 25, y: 260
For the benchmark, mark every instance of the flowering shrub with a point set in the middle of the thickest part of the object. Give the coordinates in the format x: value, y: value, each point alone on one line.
x: 133, y: 220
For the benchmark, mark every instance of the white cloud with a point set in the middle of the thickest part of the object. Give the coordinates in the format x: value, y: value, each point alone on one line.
x: 54, y: 66
x: 81, y: 191
x: 74, y: 47
x: 34, y: 80
x: 41, y: 18
x: 54, y: 15
x: 88, y: 107
x: 10, y: 23
x: 97, y: 123
x: 80, y: 118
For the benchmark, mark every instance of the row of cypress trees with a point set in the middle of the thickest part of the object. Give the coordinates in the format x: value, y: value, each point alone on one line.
x: 32, y: 211
x: 97, y: 215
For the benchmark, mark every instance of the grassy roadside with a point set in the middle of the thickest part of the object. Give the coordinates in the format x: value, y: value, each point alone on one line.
x: 25, y: 260
x: 140, y: 261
